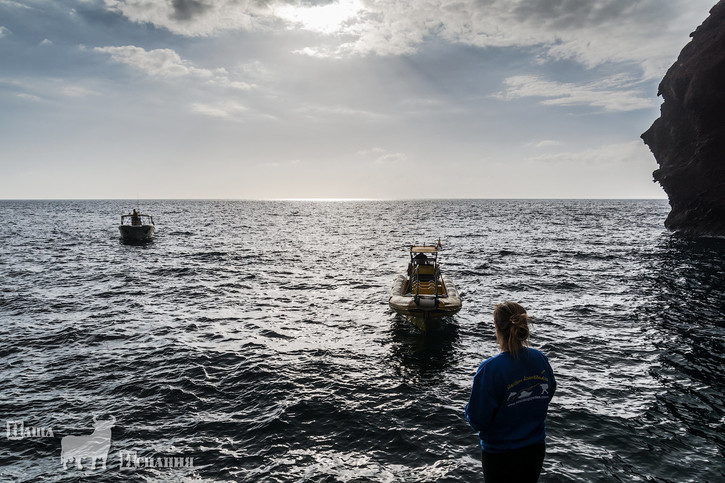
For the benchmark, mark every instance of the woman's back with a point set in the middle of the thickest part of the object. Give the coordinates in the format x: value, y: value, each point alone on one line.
x: 509, y: 401
x: 510, y: 408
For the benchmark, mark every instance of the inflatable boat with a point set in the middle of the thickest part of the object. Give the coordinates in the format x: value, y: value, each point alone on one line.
x: 136, y: 228
x: 424, y: 295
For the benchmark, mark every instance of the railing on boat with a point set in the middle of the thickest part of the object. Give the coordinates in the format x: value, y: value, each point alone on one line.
x: 137, y: 219
x: 416, y: 283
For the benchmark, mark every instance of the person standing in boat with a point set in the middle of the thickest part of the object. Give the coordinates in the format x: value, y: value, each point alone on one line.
x: 509, y: 401
x: 135, y: 219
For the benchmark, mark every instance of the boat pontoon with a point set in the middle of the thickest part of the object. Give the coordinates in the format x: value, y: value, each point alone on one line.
x: 424, y: 295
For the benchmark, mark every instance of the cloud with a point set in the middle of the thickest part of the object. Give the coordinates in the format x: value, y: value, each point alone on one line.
x: 547, y: 143
x: 371, y: 151
x: 613, y: 94
x: 166, y: 63
x: 320, y: 112
x: 185, y: 10
x: 224, y: 81
x: 382, y: 156
x: 28, y: 97
x: 621, y: 153
x: 193, y: 18
x: 319, y: 53
x: 210, y: 92
x: 4, y: 31
x: 285, y: 164
x: 158, y: 62
x: 391, y: 158
x: 225, y: 110
x: 76, y: 91
x: 43, y: 89
x: 329, y: 18
x: 646, y: 32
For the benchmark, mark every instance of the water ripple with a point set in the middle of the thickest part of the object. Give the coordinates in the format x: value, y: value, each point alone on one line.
x: 256, y: 338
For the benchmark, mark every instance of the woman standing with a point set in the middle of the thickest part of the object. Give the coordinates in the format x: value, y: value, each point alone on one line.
x: 509, y: 400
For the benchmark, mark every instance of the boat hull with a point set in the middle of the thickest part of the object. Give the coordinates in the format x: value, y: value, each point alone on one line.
x: 136, y: 233
x: 425, y: 315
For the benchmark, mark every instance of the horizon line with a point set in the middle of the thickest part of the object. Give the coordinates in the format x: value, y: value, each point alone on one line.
x: 335, y: 199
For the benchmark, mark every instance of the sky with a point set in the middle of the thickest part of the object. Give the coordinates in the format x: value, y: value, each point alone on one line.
x: 269, y: 99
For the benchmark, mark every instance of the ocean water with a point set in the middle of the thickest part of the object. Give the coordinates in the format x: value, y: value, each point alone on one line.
x: 252, y: 340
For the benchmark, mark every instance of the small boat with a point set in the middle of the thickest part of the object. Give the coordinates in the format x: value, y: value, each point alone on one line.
x: 136, y: 228
x: 424, y: 295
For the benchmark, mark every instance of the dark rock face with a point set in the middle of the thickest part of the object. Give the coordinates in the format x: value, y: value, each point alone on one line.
x: 688, y: 140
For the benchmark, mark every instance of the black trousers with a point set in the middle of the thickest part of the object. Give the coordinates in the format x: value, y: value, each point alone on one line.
x: 521, y: 465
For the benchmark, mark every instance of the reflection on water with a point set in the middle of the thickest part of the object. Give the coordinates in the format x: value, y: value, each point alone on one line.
x: 422, y: 355
x: 687, y: 314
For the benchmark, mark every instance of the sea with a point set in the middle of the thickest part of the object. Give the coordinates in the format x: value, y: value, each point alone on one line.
x: 252, y: 341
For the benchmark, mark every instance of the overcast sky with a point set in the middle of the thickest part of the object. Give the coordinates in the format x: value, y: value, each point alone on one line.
x: 334, y: 98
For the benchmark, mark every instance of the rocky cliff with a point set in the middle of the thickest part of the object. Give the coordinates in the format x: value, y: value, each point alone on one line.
x: 688, y: 140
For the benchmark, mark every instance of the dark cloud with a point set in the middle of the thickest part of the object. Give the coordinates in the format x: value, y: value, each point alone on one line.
x: 186, y: 10
x: 294, y: 3
x: 568, y: 14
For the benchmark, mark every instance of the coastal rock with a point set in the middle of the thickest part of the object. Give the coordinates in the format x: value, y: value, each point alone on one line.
x: 688, y: 139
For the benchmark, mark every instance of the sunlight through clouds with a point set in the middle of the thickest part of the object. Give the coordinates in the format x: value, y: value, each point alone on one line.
x: 592, y: 33
x: 325, y: 19
x: 354, y: 88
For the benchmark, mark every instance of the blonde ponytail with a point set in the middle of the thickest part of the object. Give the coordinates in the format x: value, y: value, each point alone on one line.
x: 512, y: 327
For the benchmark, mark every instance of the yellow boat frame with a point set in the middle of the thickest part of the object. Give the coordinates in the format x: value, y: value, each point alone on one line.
x: 424, y: 295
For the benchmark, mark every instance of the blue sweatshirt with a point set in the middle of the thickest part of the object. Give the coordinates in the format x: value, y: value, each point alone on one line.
x: 509, y: 400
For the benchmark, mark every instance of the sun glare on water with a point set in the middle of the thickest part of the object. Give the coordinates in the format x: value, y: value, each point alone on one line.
x: 326, y: 19
x: 325, y: 200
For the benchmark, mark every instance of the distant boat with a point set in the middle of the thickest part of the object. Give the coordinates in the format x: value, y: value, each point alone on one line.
x: 424, y: 295
x: 137, y: 228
